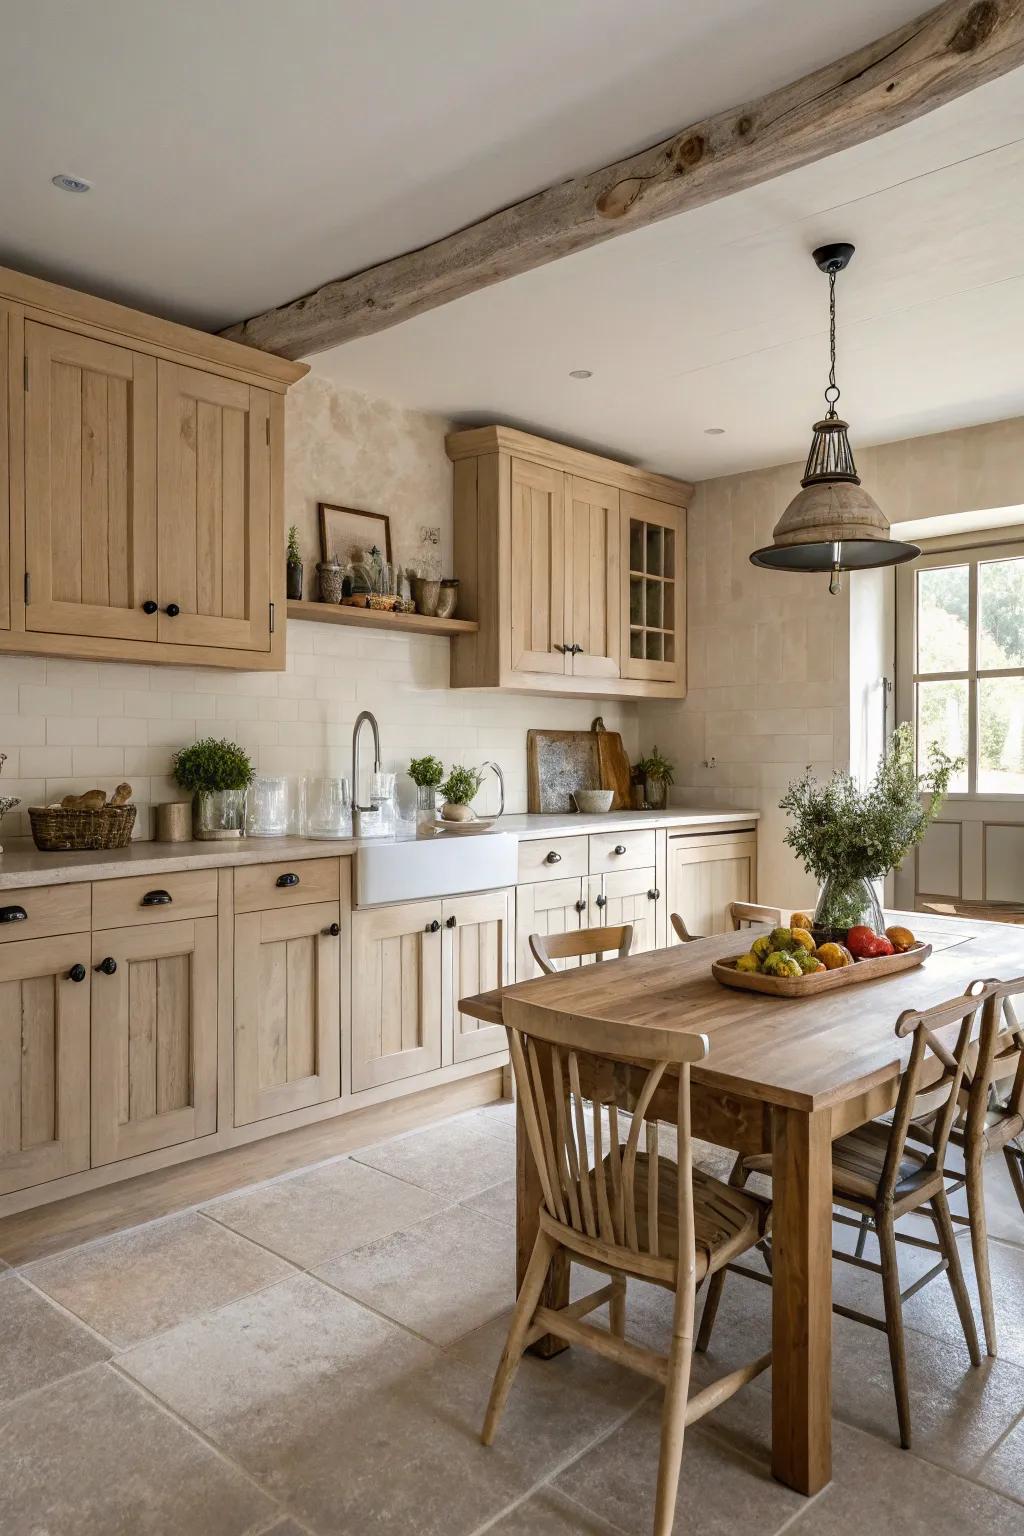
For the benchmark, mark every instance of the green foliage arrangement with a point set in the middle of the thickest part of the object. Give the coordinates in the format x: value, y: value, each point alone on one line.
x: 211, y: 765
x: 841, y: 831
x: 426, y: 772
x: 294, y: 554
x: 461, y: 785
x: 657, y: 768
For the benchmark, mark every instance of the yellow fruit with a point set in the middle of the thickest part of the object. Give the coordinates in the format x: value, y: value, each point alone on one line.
x: 761, y: 947
x: 801, y: 920
x: 748, y: 963
x: 901, y: 939
x: 782, y: 938
x: 779, y: 963
x: 803, y: 938
x: 833, y: 957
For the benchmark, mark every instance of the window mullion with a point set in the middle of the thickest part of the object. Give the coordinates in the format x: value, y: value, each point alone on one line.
x: 972, y: 686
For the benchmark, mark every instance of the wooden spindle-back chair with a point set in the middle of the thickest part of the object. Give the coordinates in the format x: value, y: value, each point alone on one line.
x: 744, y: 914
x: 620, y: 1210
x: 880, y: 1177
x: 585, y: 943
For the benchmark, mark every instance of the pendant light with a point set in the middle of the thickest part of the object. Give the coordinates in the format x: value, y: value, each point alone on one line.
x: 832, y: 524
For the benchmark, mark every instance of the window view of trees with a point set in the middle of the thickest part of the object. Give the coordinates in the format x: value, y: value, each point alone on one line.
x: 945, y: 706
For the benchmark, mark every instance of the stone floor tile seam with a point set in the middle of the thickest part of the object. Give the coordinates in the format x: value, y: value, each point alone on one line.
x: 66, y: 1311
x: 418, y: 1221
x: 498, y: 1220
x: 393, y: 1322
x: 23, y: 1399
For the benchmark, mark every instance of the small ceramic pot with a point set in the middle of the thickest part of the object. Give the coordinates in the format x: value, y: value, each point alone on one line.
x: 656, y: 791
x: 451, y: 812
x: 426, y: 593
x: 293, y: 580
x: 332, y: 576
x: 448, y: 599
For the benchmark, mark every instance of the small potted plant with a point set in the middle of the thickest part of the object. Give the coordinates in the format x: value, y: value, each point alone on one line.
x: 7, y: 802
x: 658, y: 774
x: 293, y: 566
x: 426, y: 773
x: 217, y: 774
x: 458, y: 789
x: 848, y: 837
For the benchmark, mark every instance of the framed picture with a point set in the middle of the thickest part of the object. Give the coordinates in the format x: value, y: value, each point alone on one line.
x: 346, y: 530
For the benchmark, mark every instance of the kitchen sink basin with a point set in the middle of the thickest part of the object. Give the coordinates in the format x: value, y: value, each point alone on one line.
x: 434, y: 866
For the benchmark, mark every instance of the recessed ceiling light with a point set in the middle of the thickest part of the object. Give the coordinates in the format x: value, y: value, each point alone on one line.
x: 68, y: 183
x: 581, y: 373
x: 714, y: 431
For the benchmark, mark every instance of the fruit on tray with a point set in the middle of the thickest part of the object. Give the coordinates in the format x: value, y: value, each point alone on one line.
x: 803, y: 938
x: 801, y: 920
x: 861, y: 941
x: 834, y: 956
x: 781, y: 963
x: 901, y: 939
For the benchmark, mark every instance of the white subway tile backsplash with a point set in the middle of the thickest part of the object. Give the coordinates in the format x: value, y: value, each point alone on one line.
x: 70, y: 730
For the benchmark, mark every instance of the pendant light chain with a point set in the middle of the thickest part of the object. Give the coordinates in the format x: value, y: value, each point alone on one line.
x: 832, y: 392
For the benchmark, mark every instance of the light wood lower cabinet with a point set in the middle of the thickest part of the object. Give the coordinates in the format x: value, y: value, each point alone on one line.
x: 551, y: 906
x: 44, y: 1060
x: 396, y: 992
x: 154, y: 1037
x: 705, y: 874
x: 479, y: 956
x: 627, y: 896
x: 288, y: 1009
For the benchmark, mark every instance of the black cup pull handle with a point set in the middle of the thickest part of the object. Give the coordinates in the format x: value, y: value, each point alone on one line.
x: 149, y: 606
x: 156, y: 899
x: 450, y: 922
x: 602, y: 901
x: 581, y: 906
x: 433, y: 927
x: 77, y: 973
x: 172, y: 610
x: 107, y: 966
x: 553, y: 858
x: 333, y: 931
x: 288, y: 879
x: 653, y: 895
x: 13, y: 915
x: 620, y: 847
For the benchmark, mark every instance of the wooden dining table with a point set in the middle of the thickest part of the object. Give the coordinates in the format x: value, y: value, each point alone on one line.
x: 786, y: 1076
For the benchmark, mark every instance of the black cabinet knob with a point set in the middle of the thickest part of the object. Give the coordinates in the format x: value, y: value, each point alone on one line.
x: 288, y: 879
x: 172, y: 610
x: 602, y: 901
x: 149, y: 606
x: 332, y: 931
x: 581, y: 906
x: 620, y: 847
x: 156, y: 899
x: 107, y: 966
x: 433, y: 927
x: 553, y: 858
x: 450, y: 922
x: 13, y: 915
x: 76, y: 973
x: 653, y: 895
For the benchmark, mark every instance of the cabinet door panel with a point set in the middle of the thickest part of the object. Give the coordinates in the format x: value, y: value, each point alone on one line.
x: 479, y: 959
x: 592, y: 587
x: 5, y: 502
x: 537, y: 569
x: 396, y: 993
x: 214, y: 510
x: 44, y: 1061
x: 653, y: 570
x: 626, y: 897
x: 554, y: 906
x: 705, y: 876
x: 154, y: 1038
x: 90, y: 492
x: 287, y: 1010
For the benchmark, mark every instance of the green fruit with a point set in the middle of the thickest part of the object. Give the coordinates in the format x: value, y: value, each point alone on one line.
x: 782, y: 938
x: 748, y: 963
x: 807, y: 962
x: 761, y: 947
x: 779, y: 963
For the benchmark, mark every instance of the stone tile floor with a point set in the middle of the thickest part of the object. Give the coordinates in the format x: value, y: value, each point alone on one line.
x: 313, y: 1356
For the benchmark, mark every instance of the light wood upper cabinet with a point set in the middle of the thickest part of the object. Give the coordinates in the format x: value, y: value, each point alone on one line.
x: 154, y: 1037
x: 213, y: 475
x: 44, y: 1060
x: 544, y: 539
x: 141, y: 486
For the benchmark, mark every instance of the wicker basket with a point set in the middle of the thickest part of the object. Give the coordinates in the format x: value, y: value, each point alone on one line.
x: 55, y: 830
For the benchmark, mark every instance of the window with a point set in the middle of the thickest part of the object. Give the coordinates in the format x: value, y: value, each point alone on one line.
x: 968, y: 664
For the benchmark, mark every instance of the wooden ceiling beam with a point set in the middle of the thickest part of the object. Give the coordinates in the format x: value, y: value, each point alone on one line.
x: 948, y: 51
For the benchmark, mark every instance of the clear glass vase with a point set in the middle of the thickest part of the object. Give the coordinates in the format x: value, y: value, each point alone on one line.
x: 426, y: 804
x: 845, y: 901
x: 218, y: 813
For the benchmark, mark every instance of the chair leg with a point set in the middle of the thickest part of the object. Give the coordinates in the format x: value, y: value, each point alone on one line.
x: 617, y: 1308
x: 886, y: 1233
x: 862, y: 1236
x: 716, y: 1283
x: 673, y: 1413
x: 526, y: 1303
x: 979, y: 1247
x: 947, y: 1241
x: 1015, y: 1163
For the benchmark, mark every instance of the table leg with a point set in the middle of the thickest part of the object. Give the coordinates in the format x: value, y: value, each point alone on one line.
x: 802, y: 1299
x: 528, y: 1200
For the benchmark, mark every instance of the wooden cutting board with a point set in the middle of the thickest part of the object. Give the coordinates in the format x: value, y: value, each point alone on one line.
x: 557, y: 763
x: 613, y: 764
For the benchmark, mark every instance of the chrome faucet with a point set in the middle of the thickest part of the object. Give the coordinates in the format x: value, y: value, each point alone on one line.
x: 364, y: 817
x: 496, y: 767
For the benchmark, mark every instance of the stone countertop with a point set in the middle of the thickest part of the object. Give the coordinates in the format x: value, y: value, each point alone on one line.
x: 22, y: 864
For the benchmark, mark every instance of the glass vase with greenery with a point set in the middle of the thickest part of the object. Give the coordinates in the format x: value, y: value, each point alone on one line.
x: 847, y: 837
x: 293, y: 566
x: 658, y: 774
x: 217, y: 775
x: 458, y: 789
x: 426, y: 773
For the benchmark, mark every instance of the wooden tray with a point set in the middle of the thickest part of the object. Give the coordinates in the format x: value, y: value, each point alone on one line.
x: 725, y: 971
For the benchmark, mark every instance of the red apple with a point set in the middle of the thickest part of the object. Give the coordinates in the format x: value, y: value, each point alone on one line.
x: 883, y: 946
x: 860, y: 941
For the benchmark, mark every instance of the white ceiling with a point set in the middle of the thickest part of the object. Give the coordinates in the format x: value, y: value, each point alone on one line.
x: 243, y: 151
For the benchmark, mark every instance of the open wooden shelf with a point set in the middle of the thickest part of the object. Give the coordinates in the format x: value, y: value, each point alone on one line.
x: 379, y: 618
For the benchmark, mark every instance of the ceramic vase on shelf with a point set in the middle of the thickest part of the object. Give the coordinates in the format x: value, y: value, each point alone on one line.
x: 293, y: 580
x: 843, y: 903
x: 217, y: 814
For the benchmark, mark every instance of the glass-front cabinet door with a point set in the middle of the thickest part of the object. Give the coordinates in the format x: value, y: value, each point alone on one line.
x: 653, y: 565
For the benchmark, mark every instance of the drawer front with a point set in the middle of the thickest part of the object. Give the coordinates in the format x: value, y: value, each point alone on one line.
x: 154, y: 899
x: 40, y: 911
x: 262, y: 887
x: 561, y: 858
x: 620, y: 850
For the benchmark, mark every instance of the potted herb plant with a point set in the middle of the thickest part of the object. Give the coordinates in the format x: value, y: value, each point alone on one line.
x: 293, y: 566
x: 458, y: 789
x: 658, y: 774
x: 217, y: 773
x: 426, y: 773
x: 848, y: 837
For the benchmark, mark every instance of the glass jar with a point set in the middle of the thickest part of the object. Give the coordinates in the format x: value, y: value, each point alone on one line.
x: 267, y: 808
x: 844, y: 902
x: 328, y: 807
x: 426, y: 804
x: 218, y: 813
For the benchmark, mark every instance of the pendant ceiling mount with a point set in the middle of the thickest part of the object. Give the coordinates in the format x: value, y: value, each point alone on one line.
x: 832, y: 524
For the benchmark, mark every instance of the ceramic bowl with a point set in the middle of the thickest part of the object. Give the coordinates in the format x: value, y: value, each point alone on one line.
x: 594, y: 801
